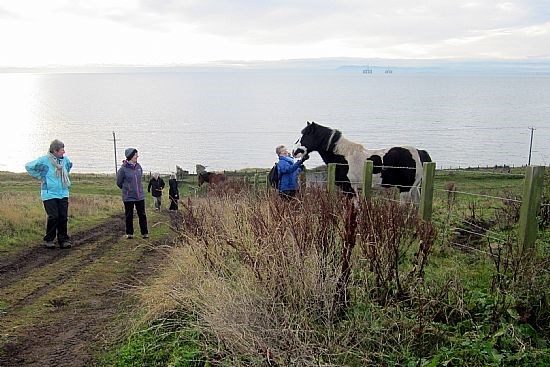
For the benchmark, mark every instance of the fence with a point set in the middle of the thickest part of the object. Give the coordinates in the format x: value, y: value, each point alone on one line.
x: 530, y: 202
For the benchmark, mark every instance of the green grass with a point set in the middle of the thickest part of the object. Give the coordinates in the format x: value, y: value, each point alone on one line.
x: 161, y: 344
x: 93, y: 198
x: 476, y: 340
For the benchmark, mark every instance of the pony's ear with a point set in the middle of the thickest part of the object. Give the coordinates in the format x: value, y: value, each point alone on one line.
x: 308, y: 123
x: 313, y: 122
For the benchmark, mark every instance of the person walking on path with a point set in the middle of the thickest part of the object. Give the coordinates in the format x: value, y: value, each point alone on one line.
x: 155, y: 187
x: 173, y: 192
x: 53, y: 172
x: 288, y: 172
x: 128, y: 179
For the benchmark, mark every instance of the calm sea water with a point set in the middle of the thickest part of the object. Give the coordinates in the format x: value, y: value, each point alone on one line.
x: 233, y: 120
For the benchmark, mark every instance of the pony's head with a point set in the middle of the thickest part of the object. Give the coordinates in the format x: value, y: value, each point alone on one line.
x: 315, y: 138
x: 203, y: 177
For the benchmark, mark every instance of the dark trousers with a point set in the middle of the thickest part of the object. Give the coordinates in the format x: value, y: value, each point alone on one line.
x: 57, y: 210
x: 129, y: 213
x: 173, y: 203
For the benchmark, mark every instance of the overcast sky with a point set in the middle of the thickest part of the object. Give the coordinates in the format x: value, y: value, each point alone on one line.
x: 158, y: 32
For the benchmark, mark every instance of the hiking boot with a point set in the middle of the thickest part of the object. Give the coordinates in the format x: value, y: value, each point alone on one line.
x: 145, y: 236
x: 66, y: 244
x: 129, y: 236
x: 49, y: 244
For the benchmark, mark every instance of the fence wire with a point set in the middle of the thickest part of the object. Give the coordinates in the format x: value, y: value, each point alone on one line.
x: 478, y: 195
x: 486, y: 233
x: 480, y: 234
x: 481, y: 172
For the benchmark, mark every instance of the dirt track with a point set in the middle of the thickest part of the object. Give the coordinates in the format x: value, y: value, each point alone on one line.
x: 61, y: 307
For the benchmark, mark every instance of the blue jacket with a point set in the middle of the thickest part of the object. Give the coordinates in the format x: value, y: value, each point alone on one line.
x: 128, y: 178
x: 288, y: 173
x: 52, y: 186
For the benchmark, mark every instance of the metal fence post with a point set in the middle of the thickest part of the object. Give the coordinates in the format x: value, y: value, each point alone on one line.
x: 427, y: 193
x: 532, y: 190
x: 367, y: 179
x: 331, y: 178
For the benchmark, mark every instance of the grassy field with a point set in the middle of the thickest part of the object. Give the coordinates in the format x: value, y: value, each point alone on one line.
x: 252, y: 280
x: 94, y: 197
x: 256, y: 281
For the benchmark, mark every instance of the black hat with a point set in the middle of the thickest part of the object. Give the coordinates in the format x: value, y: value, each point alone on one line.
x: 130, y: 152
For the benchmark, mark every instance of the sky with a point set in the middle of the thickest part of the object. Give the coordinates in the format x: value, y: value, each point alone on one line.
x: 166, y: 32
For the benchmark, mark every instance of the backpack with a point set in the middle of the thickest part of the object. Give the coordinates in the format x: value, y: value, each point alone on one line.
x: 273, y: 176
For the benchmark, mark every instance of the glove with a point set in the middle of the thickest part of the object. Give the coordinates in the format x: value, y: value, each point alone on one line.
x: 305, y: 157
x: 302, y: 167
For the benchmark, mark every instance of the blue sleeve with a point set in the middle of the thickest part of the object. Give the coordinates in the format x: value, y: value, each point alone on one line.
x: 287, y: 168
x: 68, y: 165
x: 37, y: 168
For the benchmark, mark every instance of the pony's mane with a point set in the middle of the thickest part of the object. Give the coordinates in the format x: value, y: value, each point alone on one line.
x: 347, y: 147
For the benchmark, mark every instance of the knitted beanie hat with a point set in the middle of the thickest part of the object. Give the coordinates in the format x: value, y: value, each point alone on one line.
x: 130, y: 152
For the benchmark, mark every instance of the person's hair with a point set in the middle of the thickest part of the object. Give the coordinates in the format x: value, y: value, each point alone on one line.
x: 279, y: 149
x: 56, y: 145
x: 156, y: 175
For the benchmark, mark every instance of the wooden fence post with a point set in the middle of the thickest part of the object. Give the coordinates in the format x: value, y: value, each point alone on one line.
x: 256, y: 183
x: 427, y: 191
x: 267, y: 184
x: 331, y: 178
x: 532, y: 190
x: 302, y: 180
x: 367, y: 179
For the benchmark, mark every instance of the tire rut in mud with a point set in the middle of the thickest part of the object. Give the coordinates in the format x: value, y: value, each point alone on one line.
x: 74, y: 326
x: 15, y: 267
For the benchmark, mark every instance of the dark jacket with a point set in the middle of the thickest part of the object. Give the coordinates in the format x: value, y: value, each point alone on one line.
x: 288, y: 173
x: 128, y: 178
x: 156, y: 185
x: 173, y: 191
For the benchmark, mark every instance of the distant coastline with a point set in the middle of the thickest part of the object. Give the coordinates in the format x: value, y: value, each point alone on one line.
x: 336, y: 65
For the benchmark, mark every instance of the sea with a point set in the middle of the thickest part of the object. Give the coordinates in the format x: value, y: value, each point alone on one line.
x: 230, y: 120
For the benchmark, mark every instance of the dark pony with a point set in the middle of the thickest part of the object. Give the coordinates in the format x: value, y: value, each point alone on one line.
x: 211, y: 177
x: 399, y: 167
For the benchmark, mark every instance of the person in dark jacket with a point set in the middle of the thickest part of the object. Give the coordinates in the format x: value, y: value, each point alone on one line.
x: 173, y: 192
x: 128, y: 178
x: 155, y: 187
x: 288, y: 172
x: 52, y: 170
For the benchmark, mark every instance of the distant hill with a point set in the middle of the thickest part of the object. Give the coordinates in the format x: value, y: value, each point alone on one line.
x: 336, y: 65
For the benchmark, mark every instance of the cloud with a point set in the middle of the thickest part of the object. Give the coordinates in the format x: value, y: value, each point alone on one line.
x: 174, y: 31
x: 7, y: 14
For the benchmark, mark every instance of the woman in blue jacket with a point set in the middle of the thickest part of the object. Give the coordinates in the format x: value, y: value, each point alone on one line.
x: 128, y: 178
x: 53, y: 172
x: 288, y: 171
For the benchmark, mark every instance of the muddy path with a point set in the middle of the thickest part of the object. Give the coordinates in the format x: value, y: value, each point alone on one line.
x: 61, y: 307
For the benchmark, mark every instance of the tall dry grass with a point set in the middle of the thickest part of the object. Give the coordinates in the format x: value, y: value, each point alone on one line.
x: 269, y: 281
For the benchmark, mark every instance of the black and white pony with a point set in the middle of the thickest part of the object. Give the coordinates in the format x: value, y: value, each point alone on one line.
x: 350, y: 158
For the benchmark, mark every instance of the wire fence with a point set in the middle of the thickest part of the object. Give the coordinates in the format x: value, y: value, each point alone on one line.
x: 472, y: 201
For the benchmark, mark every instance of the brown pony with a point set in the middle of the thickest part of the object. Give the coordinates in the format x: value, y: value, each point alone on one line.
x: 211, y: 177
